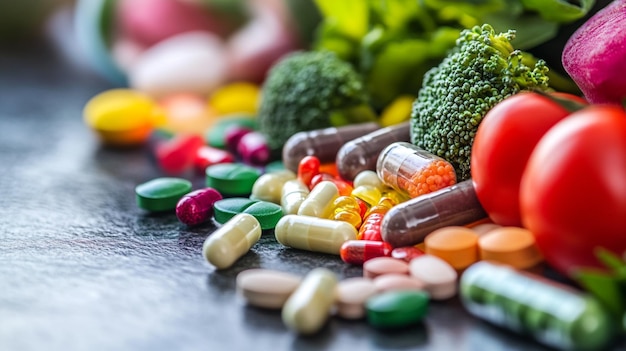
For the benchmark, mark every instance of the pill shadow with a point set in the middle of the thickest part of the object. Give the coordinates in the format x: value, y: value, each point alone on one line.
x: 409, y: 337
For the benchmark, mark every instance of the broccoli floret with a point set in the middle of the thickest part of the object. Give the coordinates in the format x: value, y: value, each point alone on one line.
x: 480, y: 71
x: 310, y: 90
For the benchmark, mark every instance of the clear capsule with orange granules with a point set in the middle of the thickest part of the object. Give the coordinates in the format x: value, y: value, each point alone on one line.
x: 411, y: 170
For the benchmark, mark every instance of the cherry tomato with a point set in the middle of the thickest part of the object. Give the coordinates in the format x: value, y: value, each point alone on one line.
x: 573, y: 189
x: 503, y: 142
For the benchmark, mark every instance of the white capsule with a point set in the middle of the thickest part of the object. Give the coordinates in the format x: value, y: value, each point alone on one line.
x: 313, y: 234
x: 232, y: 240
x: 319, y: 203
x: 293, y: 193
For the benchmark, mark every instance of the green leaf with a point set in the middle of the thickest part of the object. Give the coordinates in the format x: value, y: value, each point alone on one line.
x: 604, y: 287
x: 349, y: 17
x: 560, y: 11
x: 530, y: 30
x: 609, y: 259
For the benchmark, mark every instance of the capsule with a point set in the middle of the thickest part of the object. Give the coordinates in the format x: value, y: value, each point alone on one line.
x: 323, y: 143
x: 208, y: 155
x: 178, y: 154
x: 231, y: 241
x: 253, y: 149
x: 197, y: 206
x: 356, y: 252
x: 552, y: 313
x: 361, y: 154
x: 319, y: 202
x: 309, y: 306
x: 293, y: 193
x: 347, y: 209
x: 313, y: 234
x: 408, y: 223
x: 411, y: 170
x: 269, y: 186
x: 308, y: 167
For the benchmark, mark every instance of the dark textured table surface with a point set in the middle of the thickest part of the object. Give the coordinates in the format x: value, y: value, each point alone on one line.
x: 82, y: 268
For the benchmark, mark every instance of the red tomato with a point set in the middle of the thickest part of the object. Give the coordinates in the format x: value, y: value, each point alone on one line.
x: 573, y: 190
x: 503, y: 142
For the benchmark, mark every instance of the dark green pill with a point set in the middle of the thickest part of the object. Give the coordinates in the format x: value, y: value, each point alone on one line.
x: 232, y: 179
x: 396, y: 309
x: 225, y: 209
x: 161, y: 194
x: 267, y: 213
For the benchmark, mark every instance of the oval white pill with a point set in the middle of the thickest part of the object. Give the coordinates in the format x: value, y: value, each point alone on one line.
x: 351, y: 295
x: 438, y: 276
x: 266, y: 288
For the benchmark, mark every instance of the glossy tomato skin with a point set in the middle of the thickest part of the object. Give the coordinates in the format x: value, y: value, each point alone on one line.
x: 573, y: 190
x: 503, y: 143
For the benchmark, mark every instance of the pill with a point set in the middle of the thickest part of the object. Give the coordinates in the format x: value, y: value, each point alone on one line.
x: 161, y: 194
x: 266, y: 288
x: 197, y: 206
x: 351, y: 295
x: 362, y: 153
x: 484, y: 228
x: 347, y: 209
x: 122, y: 117
x: 269, y: 186
x: 439, y: 277
x: 323, y: 143
x: 216, y: 135
x: 266, y: 213
x: 406, y: 253
x: 384, y: 265
x: 293, y: 193
x: 396, y: 309
x: 234, y: 135
x: 414, y: 171
x: 232, y: 179
x: 208, y: 155
x: 313, y: 234
x: 397, y: 281
x: 236, y: 97
x: 231, y: 241
x: 309, y: 306
x: 510, y: 245
x: 356, y: 252
x: 454, y: 244
x: 308, y: 167
x: 407, y: 223
x: 319, y: 201
x: 371, y: 227
x: 186, y: 113
x: 274, y: 166
x: 552, y: 313
x: 343, y: 187
x: 368, y: 177
x: 253, y: 149
x: 177, y: 155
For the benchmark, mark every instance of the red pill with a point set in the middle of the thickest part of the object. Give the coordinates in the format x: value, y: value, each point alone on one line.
x: 308, y: 168
x: 370, y: 229
x: 358, y: 251
x: 176, y: 155
x: 406, y: 253
x: 208, y: 155
x: 253, y: 149
x: 197, y: 206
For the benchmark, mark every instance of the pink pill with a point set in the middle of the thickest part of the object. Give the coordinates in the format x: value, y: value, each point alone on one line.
x: 234, y: 135
x: 253, y: 149
x: 197, y: 206
x: 384, y: 265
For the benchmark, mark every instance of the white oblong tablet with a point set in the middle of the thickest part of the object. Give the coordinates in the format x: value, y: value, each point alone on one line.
x: 438, y: 276
x: 266, y: 288
x: 396, y: 281
x: 351, y: 294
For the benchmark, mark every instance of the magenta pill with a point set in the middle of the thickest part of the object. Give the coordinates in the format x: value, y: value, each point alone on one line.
x: 197, y: 206
x: 253, y: 149
x: 234, y: 135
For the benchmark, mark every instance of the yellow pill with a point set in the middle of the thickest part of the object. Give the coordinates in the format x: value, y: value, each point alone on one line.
x: 398, y: 111
x: 319, y: 202
x: 454, y: 244
x: 308, y: 308
x: 313, y: 234
x: 232, y: 240
x: 238, y: 97
x: 122, y: 116
x: 510, y: 245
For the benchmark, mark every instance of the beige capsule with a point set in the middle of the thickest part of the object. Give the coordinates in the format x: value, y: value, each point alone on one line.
x: 231, y: 241
x: 293, y: 193
x: 438, y: 276
x: 351, y: 295
x: 313, y: 234
x: 266, y: 288
x: 308, y: 308
x: 268, y: 187
x: 319, y: 202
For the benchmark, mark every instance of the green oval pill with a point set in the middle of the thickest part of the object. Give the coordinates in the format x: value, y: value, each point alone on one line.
x: 233, y: 179
x: 395, y: 309
x: 267, y: 213
x: 161, y: 194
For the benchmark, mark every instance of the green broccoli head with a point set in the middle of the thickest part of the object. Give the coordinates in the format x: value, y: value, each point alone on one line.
x: 310, y: 90
x: 480, y: 71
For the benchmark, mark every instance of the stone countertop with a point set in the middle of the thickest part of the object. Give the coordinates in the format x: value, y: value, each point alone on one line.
x: 82, y: 268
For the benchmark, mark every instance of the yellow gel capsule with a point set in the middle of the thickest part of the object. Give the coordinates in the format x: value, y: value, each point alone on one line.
x: 398, y: 111
x: 122, y: 116
x: 308, y: 308
x: 293, y: 193
x: 313, y: 234
x: 232, y: 240
x: 319, y: 202
x: 239, y: 97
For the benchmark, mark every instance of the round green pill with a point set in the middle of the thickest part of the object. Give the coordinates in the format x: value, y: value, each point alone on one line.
x: 232, y: 179
x: 267, y: 213
x: 161, y: 194
x: 396, y: 309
